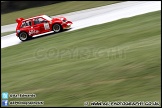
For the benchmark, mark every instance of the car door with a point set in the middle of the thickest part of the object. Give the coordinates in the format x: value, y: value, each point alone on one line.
x: 45, y: 27
x: 36, y: 27
x: 41, y: 24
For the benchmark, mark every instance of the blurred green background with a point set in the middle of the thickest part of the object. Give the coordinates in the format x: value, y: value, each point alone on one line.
x: 120, y: 62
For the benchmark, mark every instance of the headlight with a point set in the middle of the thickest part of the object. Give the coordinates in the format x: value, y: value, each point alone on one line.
x: 64, y: 20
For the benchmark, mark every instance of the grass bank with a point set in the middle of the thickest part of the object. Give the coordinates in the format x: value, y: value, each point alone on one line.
x: 116, y: 61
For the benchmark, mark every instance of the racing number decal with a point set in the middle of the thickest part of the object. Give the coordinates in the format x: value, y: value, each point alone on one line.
x: 46, y: 26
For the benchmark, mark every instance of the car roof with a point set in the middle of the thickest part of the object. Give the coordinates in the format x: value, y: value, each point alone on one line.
x: 35, y: 17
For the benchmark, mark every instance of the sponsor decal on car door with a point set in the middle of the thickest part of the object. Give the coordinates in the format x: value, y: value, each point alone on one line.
x: 33, y: 32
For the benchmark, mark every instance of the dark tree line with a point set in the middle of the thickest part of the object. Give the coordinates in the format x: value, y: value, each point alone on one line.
x: 10, y: 6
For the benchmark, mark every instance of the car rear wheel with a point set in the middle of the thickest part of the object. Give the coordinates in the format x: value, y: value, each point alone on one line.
x: 57, y: 28
x: 23, y: 36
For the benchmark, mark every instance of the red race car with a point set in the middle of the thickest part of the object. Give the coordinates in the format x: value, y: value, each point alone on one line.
x: 26, y: 28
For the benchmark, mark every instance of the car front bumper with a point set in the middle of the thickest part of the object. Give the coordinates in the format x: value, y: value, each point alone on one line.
x: 67, y: 25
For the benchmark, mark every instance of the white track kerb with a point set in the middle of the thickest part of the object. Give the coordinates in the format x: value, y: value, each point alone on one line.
x: 94, y: 16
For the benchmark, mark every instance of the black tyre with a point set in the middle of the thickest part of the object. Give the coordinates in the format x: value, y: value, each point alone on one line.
x: 57, y: 28
x: 23, y: 36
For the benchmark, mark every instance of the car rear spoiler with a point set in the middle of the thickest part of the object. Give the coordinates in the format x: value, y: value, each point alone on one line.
x: 18, y: 20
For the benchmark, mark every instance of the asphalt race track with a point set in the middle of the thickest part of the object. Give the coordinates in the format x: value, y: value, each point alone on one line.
x: 92, y: 17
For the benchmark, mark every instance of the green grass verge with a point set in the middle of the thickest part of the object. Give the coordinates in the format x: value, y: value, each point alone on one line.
x: 54, y: 9
x: 116, y: 61
x: 7, y: 33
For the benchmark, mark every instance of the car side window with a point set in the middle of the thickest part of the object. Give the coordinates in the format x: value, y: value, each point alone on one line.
x: 38, y: 20
x: 26, y: 23
x: 23, y: 24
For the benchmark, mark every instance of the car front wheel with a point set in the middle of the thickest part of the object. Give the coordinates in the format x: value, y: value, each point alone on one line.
x: 57, y: 28
x: 23, y: 36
